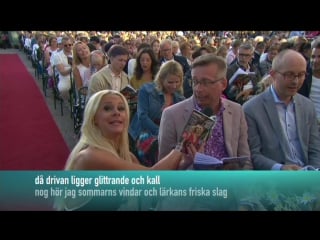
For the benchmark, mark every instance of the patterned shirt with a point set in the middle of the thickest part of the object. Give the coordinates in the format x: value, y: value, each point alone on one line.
x: 215, y: 145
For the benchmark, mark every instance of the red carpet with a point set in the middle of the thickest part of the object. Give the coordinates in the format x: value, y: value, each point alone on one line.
x: 30, y: 138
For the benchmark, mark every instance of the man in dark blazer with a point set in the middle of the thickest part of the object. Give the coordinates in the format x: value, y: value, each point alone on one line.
x: 283, y: 132
x: 242, y: 92
x: 167, y: 55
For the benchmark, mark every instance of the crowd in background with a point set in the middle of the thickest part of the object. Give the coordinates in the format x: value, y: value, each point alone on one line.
x: 97, y: 60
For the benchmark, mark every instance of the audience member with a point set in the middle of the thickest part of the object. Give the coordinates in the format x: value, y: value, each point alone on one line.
x: 232, y: 53
x: 187, y: 81
x: 167, y: 54
x: 98, y: 60
x: 81, y: 65
x: 155, y: 45
x: 311, y: 85
x: 132, y: 62
x: 243, y: 90
x: 265, y: 65
x: 146, y: 68
x: 282, y: 125
x: 153, y: 98
x: 111, y: 76
x: 63, y: 63
x: 229, y: 135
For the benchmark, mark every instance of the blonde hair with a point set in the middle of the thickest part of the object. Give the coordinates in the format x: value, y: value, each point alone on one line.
x: 166, y: 69
x: 76, y: 59
x: 91, y: 135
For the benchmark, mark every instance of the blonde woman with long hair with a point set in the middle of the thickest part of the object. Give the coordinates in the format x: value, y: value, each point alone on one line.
x: 104, y: 145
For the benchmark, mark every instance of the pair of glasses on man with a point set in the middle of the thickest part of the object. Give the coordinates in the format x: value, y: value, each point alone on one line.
x: 244, y: 55
x: 68, y: 45
x: 292, y: 76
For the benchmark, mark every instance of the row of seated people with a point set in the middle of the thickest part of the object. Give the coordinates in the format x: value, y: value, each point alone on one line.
x: 67, y: 72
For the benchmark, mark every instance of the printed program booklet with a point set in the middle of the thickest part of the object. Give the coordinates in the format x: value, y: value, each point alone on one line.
x: 309, y: 168
x: 130, y: 93
x: 241, y: 77
x: 202, y: 162
x: 196, y: 131
x: 237, y: 83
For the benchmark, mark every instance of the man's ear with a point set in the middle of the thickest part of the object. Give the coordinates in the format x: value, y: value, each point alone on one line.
x: 272, y: 72
x: 224, y: 83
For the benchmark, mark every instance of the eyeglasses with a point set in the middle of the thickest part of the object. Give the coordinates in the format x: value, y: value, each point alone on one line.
x: 204, y: 83
x: 68, y: 45
x: 244, y: 55
x: 292, y: 76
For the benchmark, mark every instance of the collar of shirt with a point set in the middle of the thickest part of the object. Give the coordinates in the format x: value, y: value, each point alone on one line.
x: 276, y: 97
x: 198, y: 108
x: 115, y: 76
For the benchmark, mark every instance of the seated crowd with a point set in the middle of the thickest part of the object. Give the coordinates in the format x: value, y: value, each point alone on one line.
x: 254, y: 92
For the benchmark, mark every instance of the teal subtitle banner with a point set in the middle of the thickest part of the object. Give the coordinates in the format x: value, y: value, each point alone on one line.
x: 159, y: 190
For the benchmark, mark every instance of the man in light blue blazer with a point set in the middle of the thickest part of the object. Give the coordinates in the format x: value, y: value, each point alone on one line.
x: 282, y: 127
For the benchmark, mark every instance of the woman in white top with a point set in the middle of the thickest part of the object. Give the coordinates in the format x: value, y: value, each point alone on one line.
x: 81, y: 65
